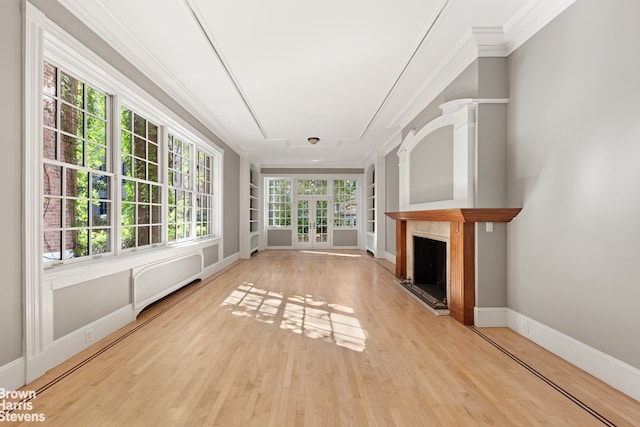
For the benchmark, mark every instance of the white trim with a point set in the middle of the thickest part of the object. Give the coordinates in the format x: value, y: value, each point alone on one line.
x: 12, y: 375
x: 390, y: 257
x: 224, y: 263
x: 73, y: 343
x: 612, y: 371
x: 490, y: 317
x: 531, y: 19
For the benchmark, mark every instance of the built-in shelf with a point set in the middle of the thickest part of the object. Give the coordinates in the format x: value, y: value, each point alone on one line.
x: 254, y: 210
x: 370, y: 209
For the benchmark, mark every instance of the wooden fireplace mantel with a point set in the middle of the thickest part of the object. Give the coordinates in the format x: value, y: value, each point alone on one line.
x: 461, y: 251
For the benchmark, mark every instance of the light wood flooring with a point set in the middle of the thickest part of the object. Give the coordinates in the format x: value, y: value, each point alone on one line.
x: 324, y: 338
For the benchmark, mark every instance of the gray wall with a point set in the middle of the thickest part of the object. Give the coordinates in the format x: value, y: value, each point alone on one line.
x: 11, y: 175
x: 573, y: 157
x: 464, y: 86
x: 86, y: 302
x: 431, y: 167
x: 231, y: 204
x: 231, y: 201
x: 392, y: 197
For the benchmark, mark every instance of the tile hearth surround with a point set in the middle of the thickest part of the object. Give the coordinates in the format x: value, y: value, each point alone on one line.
x: 431, y: 230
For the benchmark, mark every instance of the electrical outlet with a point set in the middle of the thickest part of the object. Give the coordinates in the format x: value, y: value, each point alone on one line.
x: 88, y: 336
x: 525, y: 327
x: 489, y: 227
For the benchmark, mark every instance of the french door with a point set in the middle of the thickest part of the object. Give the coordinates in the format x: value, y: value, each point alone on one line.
x: 313, y: 223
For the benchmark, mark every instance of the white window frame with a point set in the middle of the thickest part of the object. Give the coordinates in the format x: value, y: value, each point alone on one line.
x: 46, y: 41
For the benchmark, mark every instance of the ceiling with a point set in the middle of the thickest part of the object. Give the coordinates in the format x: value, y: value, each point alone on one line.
x: 266, y: 75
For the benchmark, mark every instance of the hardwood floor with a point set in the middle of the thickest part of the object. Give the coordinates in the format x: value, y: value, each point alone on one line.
x: 322, y: 338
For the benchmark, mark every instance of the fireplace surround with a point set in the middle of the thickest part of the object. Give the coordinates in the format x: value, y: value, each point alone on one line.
x: 461, y: 229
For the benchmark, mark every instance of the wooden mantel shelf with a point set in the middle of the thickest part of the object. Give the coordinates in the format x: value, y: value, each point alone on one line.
x: 458, y: 215
x: 461, y: 250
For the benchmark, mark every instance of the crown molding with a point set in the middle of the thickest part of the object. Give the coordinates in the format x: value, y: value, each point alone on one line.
x: 481, y: 42
x: 136, y: 53
x: 531, y: 19
x: 476, y: 43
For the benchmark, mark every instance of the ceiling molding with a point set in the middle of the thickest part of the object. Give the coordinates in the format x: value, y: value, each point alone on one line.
x: 531, y: 19
x: 481, y: 42
x: 427, y: 32
x: 208, y: 35
x: 489, y: 42
x: 140, y: 57
x: 460, y: 57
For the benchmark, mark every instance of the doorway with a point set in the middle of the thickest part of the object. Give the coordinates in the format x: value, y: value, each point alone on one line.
x: 312, y: 223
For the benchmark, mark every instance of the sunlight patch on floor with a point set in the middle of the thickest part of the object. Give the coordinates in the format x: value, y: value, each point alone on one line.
x: 300, y: 314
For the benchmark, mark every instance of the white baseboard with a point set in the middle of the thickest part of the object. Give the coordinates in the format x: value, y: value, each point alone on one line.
x: 12, y: 375
x: 224, y: 263
x: 74, y: 342
x: 390, y: 257
x: 490, y: 317
x: 608, y: 369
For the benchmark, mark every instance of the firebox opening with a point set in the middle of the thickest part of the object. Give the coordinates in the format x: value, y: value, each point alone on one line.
x: 430, y: 270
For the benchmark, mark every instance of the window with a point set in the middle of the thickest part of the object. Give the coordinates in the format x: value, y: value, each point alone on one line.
x: 279, y: 202
x: 77, y: 200
x: 345, y: 203
x: 141, y: 211
x: 82, y: 176
x: 180, y: 193
x: 204, y: 196
x: 312, y: 187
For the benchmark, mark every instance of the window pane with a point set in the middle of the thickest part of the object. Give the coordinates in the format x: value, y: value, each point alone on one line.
x: 143, y: 236
x: 49, y: 111
x: 153, y: 132
x: 128, y: 237
x: 50, y: 79
x: 139, y: 126
x: 97, y: 130
x: 100, y: 214
x: 77, y: 183
x: 96, y: 103
x: 125, y: 119
x: 51, y: 246
x: 52, y: 180
x: 100, y: 242
x: 77, y: 244
x: 125, y: 142
x: 71, y: 90
x: 49, y: 144
x: 77, y: 213
x: 71, y: 150
x: 156, y: 234
x: 52, y: 213
x: 96, y: 157
x: 71, y: 120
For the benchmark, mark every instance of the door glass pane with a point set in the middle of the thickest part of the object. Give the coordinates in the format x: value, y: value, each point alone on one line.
x: 321, y: 221
x: 303, y: 220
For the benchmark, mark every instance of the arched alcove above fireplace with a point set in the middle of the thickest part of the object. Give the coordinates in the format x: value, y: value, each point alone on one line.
x: 439, y: 164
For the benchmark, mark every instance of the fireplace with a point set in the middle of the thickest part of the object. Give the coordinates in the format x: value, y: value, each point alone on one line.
x: 430, y: 270
x: 458, y: 230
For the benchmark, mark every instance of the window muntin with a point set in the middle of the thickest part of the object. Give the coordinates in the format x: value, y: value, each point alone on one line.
x: 141, y: 207
x: 279, y: 202
x: 345, y: 203
x: 77, y: 199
